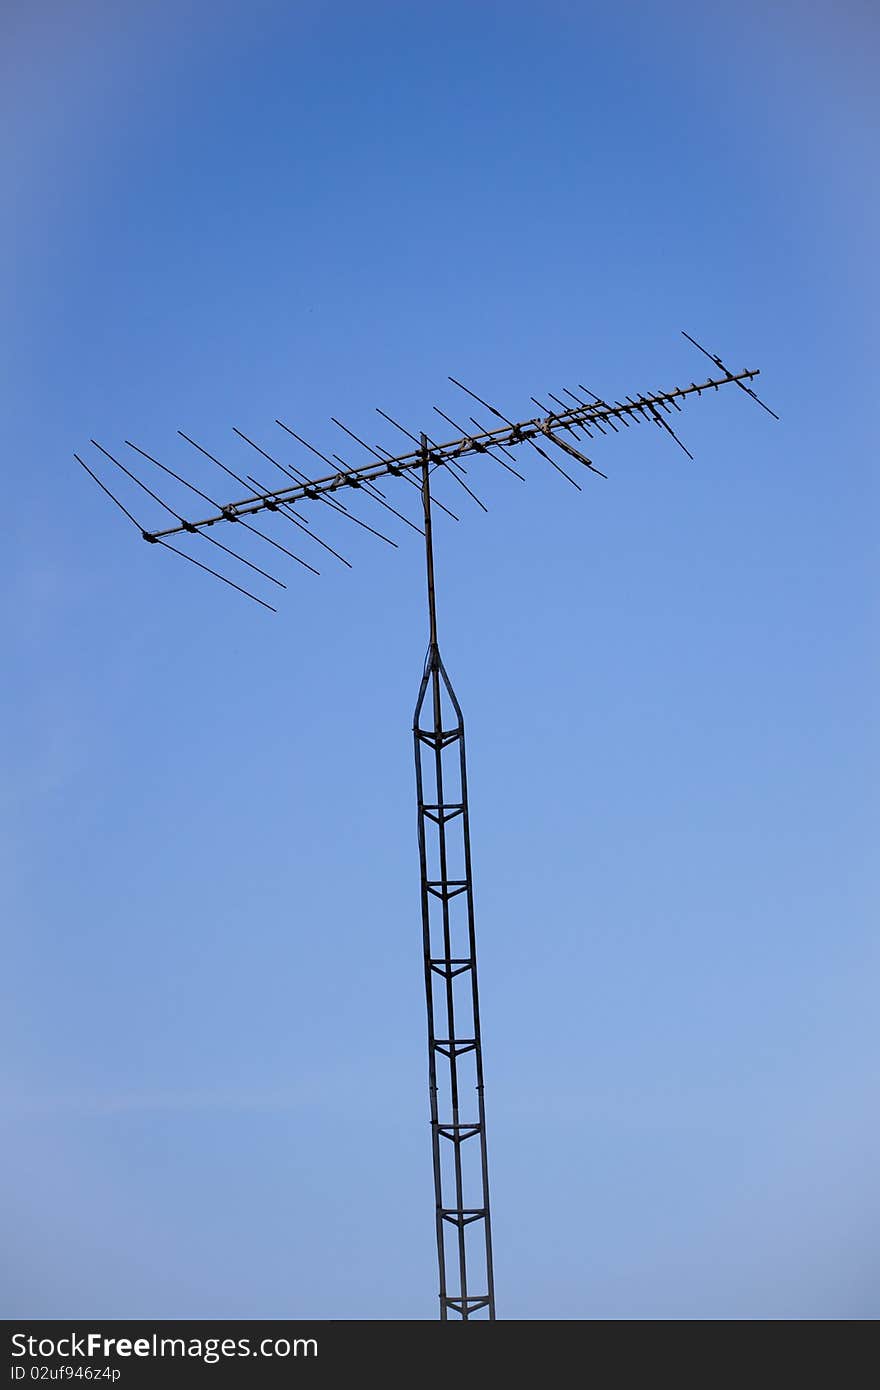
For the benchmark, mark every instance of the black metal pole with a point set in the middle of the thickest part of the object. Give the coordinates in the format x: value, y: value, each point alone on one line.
x: 461, y: 1174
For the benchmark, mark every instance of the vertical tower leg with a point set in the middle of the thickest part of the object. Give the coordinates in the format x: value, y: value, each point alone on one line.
x: 455, y: 1062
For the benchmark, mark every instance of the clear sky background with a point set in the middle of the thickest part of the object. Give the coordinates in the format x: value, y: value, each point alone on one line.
x: 213, y: 1058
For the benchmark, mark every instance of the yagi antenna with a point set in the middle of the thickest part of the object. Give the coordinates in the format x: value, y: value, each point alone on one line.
x: 455, y: 1058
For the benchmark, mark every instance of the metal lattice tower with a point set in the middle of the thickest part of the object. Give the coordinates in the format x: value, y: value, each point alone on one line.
x: 455, y: 1059
x: 455, y: 1055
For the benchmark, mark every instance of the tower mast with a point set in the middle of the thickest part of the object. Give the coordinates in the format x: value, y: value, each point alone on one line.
x: 455, y: 1060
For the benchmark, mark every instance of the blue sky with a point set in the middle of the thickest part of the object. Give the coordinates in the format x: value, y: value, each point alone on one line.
x: 213, y: 1080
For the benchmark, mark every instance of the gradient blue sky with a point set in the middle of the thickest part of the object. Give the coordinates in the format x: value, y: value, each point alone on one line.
x: 213, y: 1062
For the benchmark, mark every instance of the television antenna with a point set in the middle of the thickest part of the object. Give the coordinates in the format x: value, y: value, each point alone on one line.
x: 455, y: 1058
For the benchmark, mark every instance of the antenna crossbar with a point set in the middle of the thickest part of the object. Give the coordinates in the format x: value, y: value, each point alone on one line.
x: 506, y: 436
